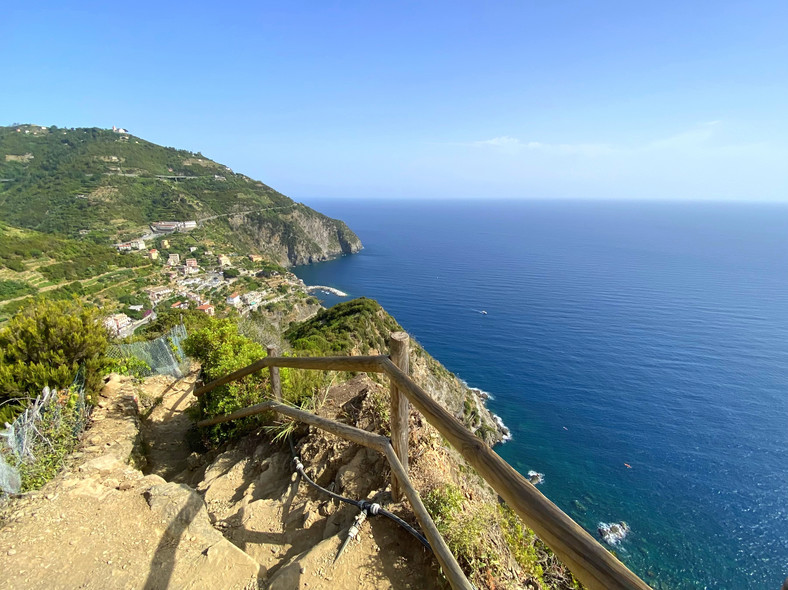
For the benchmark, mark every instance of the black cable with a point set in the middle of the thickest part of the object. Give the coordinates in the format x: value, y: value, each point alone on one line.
x: 406, y: 526
x: 369, y: 507
x: 299, y: 467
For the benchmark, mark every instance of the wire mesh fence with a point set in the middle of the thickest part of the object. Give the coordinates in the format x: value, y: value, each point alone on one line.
x: 163, y: 356
x: 34, y: 446
x: 32, y: 449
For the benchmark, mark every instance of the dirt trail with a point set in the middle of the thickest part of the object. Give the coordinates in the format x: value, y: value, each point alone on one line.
x: 248, y: 523
x: 165, y: 429
x: 101, y: 523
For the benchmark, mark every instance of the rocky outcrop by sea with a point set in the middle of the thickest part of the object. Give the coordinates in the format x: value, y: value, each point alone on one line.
x: 613, y: 533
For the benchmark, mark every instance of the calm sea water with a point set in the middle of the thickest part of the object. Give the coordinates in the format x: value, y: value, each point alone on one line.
x: 647, y: 334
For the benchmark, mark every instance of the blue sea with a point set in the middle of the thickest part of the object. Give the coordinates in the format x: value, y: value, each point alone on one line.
x: 648, y: 334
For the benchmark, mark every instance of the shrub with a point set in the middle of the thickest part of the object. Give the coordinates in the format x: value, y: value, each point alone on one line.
x: 166, y: 320
x: 521, y: 541
x: 360, y: 324
x: 465, y: 526
x: 9, y: 289
x: 56, y: 439
x: 45, y: 343
x: 129, y: 365
x: 221, y: 349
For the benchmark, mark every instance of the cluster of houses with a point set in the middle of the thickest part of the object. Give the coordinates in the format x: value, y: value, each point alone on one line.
x: 159, y: 294
x: 189, y: 266
x: 179, y: 272
x: 252, y: 298
x: 118, y: 322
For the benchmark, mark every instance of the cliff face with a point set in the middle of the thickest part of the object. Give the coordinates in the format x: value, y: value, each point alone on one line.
x: 299, y: 235
x: 454, y: 395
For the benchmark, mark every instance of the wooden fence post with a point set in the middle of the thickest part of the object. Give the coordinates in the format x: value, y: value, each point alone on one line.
x: 276, y: 383
x: 398, y: 346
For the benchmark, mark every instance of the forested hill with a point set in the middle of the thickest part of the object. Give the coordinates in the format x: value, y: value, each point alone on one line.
x: 110, y: 185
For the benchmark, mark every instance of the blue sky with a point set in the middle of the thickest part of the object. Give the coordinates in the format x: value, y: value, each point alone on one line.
x: 572, y: 99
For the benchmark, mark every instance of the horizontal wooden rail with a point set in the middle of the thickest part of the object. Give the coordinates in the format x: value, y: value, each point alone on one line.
x: 353, y: 434
x: 378, y: 443
x: 360, y: 364
x: 588, y: 560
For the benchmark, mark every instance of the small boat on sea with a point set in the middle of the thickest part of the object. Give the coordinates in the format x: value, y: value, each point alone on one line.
x: 483, y: 312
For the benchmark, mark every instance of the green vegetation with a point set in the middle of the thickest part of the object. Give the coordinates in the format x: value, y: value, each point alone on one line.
x: 167, y: 319
x: 220, y: 349
x: 60, y: 441
x: 19, y: 245
x: 353, y: 326
x: 524, y: 545
x: 45, y: 344
x: 469, y: 528
x: 128, y: 365
x: 9, y: 289
x: 90, y: 264
x: 463, y: 525
x: 105, y: 185
x: 76, y: 267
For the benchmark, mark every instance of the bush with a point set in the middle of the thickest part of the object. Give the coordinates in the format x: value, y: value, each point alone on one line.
x: 129, y: 365
x: 221, y: 349
x: 474, y: 530
x: 166, y: 320
x: 45, y: 343
x: 56, y: 439
x: 465, y: 526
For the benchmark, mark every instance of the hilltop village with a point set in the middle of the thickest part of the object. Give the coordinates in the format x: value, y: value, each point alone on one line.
x: 201, y: 278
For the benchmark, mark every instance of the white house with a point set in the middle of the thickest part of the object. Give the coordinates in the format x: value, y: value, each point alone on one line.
x: 116, y: 322
x: 156, y: 294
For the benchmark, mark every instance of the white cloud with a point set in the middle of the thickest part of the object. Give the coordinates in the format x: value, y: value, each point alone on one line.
x: 584, y: 149
x: 709, y: 159
x: 504, y: 140
x: 697, y: 138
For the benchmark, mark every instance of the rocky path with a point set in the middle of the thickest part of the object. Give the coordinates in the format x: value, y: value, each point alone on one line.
x: 166, y: 427
x: 247, y: 523
x: 101, y: 523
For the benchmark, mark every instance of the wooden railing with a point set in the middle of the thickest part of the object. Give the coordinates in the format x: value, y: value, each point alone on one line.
x: 588, y: 560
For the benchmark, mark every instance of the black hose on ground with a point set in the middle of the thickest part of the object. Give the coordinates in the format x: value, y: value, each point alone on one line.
x: 369, y: 507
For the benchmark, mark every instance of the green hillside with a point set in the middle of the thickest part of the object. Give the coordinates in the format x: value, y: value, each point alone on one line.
x: 355, y: 326
x: 112, y: 185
